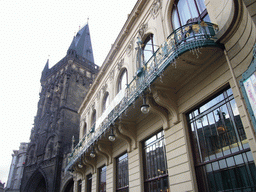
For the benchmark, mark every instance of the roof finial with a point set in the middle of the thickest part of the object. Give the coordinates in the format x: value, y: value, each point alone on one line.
x: 87, y: 20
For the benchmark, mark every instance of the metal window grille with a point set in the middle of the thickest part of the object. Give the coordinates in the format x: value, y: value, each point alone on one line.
x: 223, y: 160
x: 102, y: 179
x: 122, y: 177
x: 155, y: 165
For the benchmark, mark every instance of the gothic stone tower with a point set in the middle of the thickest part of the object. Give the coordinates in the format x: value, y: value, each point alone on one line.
x: 63, y: 88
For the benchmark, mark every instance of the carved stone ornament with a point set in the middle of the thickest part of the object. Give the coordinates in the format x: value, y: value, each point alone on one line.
x: 143, y: 29
x: 155, y: 8
x: 111, y: 75
x: 93, y: 106
x: 104, y: 88
x: 98, y: 95
x: 129, y: 48
x: 120, y: 64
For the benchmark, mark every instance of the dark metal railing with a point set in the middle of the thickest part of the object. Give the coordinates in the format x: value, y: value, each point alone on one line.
x: 189, y: 37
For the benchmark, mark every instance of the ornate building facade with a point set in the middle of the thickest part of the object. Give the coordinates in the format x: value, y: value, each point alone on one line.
x: 173, y: 105
x: 56, y: 125
x: 16, y: 168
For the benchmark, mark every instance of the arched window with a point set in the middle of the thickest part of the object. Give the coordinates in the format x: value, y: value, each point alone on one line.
x: 187, y: 11
x: 123, y: 80
x: 84, y: 128
x: 148, y: 47
x: 105, y: 102
x: 93, y: 121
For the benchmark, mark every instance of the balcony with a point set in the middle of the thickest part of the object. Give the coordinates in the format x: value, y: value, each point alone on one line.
x: 188, y: 39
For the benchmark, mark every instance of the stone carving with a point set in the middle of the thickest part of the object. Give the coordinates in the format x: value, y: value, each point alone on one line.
x: 120, y: 64
x: 104, y: 88
x: 143, y: 29
x: 155, y: 8
x: 129, y: 48
x: 111, y: 75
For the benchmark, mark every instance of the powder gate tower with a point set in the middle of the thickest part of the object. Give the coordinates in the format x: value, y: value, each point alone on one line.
x: 63, y: 88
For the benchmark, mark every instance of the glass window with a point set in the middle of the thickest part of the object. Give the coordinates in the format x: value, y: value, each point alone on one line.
x: 105, y: 103
x: 89, y: 182
x: 79, y: 186
x: 155, y: 165
x: 123, y: 80
x: 187, y: 11
x: 148, y: 47
x: 222, y: 155
x: 122, y: 177
x: 102, y: 179
x: 93, y: 121
x: 84, y: 128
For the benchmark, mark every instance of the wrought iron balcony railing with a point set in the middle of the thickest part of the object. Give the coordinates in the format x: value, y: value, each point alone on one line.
x: 189, y: 37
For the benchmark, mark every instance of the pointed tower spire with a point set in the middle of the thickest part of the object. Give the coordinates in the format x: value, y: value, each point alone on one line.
x: 45, y: 70
x: 81, y: 44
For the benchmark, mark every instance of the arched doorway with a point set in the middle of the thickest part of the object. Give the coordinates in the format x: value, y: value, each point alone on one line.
x: 36, y: 183
x: 41, y: 187
x: 69, y: 186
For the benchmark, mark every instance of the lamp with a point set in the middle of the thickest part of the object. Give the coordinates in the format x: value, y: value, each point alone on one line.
x: 111, y: 136
x: 144, y: 107
x: 80, y: 165
x: 92, y: 154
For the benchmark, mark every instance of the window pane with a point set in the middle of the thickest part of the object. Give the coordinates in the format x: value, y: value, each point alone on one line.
x: 122, y: 177
x: 122, y: 81
x: 155, y: 166
x: 102, y: 177
x: 217, y: 133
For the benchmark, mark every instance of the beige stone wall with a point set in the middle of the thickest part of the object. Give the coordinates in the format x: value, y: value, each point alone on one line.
x: 210, y: 78
x: 251, y: 6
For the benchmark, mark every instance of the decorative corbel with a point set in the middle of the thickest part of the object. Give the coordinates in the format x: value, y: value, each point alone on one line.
x: 79, y: 171
x: 128, y: 132
x: 161, y: 111
x: 168, y: 101
x: 105, y: 148
x: 87, y: 160
x: 124, y: 137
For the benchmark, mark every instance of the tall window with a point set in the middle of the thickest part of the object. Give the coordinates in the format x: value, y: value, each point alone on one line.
x: 223, y: 160
x: 148, y: 47
x: 155, y: 165
x: 187, y: 11
x: 89, y: 182
x: 84, y: 128
x: 123, y: 80
x: 102, y: 179
x: 105, y: 102
x: 122, y: 177
x: 79, y: 186
x: 93, y: 121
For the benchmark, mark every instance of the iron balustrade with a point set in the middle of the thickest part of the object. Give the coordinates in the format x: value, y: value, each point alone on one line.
x: 189, y: 37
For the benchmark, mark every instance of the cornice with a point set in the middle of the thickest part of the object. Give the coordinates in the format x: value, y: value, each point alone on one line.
x: 122, y: 36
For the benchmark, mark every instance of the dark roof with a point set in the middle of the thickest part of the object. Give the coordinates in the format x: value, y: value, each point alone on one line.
x: 81, y: 44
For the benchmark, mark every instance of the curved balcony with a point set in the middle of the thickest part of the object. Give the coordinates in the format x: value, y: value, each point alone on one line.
x: 187, y: 39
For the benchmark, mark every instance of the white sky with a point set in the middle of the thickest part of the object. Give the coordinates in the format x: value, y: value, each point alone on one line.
x: 31, y: 30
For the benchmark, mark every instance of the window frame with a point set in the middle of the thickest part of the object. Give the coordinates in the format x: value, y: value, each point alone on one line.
x: 105, y: 102
x: 120, y: 80
x: 126, y: 187
x: 162, y: 177
x: 89, y: 182
x: 149, y: 40
x: 221, y: 147
x: 200, y: 15
x: 101, y: 171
